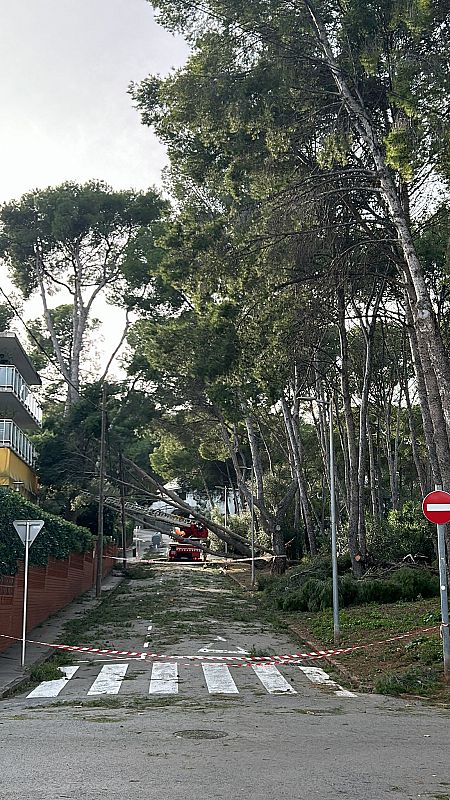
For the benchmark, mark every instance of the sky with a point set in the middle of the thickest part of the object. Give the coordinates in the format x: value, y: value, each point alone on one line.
x: 65, y: 66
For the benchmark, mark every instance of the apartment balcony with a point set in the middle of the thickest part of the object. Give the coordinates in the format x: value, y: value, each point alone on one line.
x: 13, y: 438
x: 16, y: 399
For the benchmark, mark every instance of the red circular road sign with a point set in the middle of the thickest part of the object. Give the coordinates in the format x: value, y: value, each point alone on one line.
x: 436, y: 507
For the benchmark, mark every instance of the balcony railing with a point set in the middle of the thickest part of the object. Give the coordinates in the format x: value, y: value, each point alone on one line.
x: 11, y: 436
x: 11, y: 380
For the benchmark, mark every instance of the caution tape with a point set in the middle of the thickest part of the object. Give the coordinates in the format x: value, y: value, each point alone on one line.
x: 231, y: 660
x: 135, y: 562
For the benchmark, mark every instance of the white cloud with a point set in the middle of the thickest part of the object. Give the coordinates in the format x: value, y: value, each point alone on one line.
x: 65, y: 66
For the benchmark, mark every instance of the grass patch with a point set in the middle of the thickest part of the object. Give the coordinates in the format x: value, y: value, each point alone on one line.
x: 417, y: 681
x: 49, y: 670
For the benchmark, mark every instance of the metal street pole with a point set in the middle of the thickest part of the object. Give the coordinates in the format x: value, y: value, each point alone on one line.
x: 122, y: 513
x: 444, y: 595
x: 226, y: 519
x: 444, y: 599
x: 101, y: 498
x: 25, y: 594
x: 253, y: 534
x: 336, y: 629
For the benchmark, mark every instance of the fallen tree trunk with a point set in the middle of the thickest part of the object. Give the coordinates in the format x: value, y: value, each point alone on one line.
x: 233, y: 539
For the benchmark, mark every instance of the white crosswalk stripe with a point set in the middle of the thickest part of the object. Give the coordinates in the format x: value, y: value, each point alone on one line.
x: 164, y: 678
x: 109, y: 680
x: 218, y: 679
x: 53, y: 688
x: 272, y: 679
x: 317, y: 675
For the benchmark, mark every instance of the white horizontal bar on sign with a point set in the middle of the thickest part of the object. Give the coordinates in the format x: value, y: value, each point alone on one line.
x: 438, y: 506
x: 53, y: 688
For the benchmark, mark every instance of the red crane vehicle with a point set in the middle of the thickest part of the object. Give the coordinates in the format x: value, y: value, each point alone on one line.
x: 196, y: 534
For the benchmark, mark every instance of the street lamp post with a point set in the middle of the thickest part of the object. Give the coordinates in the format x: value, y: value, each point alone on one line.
x: 334, y: 565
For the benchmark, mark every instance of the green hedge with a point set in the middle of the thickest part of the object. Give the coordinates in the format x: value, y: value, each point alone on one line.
x: 58, y: 538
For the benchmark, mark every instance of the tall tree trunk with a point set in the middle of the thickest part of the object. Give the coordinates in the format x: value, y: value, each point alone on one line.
x: 296, y: 448
x: 389, y: 452
x: 414, y: 449
x: 373, y: 477
x: 433, y: 403
x: 425, y: 323
x: 396, y: 451
x: 368, y: 330
x: 353, y: 542
x: 422, y: 392
x: 345, y: 458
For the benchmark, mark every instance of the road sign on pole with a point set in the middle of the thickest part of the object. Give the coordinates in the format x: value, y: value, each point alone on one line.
x: 27, y: 529
x: 436, y: 508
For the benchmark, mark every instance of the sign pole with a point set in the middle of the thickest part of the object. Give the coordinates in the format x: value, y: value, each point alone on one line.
x: 27, y: 530
x: 25, y: 593
x: 444, y: 599
x: 436, y: 508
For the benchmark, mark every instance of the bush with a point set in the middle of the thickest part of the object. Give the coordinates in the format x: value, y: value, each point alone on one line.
x: 58, y: 538
x: 309, y: 593
x: 405, y: 531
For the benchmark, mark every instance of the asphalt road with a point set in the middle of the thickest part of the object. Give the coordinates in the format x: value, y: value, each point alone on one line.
x: 195, y: 736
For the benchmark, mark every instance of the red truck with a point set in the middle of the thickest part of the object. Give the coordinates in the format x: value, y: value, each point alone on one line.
x: 191, y: 550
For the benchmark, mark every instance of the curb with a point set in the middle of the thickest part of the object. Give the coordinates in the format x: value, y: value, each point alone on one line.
x: 16, y: 683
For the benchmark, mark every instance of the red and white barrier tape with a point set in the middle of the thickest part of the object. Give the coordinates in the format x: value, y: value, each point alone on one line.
x: 135, y: 562
x: 232, y: 660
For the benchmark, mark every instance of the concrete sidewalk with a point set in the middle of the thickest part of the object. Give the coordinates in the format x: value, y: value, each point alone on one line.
x: 11, y: 673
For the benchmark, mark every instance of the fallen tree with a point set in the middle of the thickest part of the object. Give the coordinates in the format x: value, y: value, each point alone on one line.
x: 234, y: 540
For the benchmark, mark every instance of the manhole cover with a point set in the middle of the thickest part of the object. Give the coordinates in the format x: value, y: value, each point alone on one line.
x: 200, y: 734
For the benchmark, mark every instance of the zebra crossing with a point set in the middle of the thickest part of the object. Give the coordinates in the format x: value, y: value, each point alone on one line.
x: 165, y: 680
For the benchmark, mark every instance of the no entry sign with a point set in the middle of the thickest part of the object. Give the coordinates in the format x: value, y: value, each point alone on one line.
x: 436, y: 507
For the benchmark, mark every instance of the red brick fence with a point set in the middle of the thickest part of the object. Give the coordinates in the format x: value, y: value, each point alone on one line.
x: 50, y: 588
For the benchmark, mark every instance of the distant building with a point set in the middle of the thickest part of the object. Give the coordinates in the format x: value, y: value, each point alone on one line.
x: 19, y: 413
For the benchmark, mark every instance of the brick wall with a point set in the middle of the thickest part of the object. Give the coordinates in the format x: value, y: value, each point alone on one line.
x: 50, y: 588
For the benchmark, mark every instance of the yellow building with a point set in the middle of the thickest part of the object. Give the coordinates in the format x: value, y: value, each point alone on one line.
x: 19, y: 413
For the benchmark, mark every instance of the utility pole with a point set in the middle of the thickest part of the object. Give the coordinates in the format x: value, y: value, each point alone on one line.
x: 101, y: 496
x: 122, y: 513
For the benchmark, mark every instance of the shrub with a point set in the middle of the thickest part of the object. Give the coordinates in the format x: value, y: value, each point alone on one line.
x: 310, y: 593
x: 411, y: 532
x: 416, y: 583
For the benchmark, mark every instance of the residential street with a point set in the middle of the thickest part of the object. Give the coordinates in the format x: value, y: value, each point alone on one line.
x: 175, y: 728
